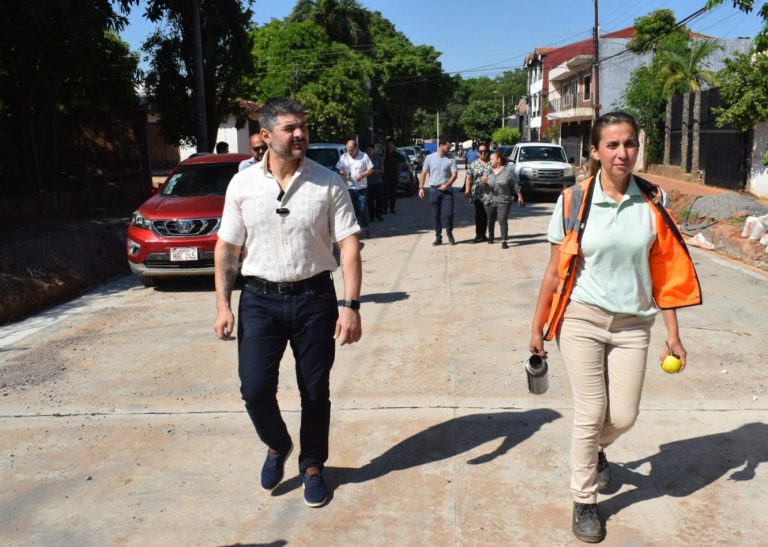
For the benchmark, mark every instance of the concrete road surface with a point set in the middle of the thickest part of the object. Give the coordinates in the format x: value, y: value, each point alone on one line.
x: 121, y: 421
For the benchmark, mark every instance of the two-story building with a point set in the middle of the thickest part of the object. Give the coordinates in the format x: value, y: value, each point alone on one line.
x: 561, y: 81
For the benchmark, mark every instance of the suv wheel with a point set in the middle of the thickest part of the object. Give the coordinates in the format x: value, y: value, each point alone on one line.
x: 148, y: 281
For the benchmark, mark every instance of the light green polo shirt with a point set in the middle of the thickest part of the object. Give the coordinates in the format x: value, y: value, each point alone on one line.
x: 613, y: 271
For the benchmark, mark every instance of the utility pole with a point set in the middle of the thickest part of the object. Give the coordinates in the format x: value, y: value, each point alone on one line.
x: 503, y: 112
x: 201, y: 126
x: 596, y: 66
x: 437, y: 126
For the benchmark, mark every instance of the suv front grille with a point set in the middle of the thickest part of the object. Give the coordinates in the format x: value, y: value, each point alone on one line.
x: 185, y: 227
x: 548, y: 174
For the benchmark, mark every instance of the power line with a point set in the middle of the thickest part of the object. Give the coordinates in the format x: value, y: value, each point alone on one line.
x: 653, y: 39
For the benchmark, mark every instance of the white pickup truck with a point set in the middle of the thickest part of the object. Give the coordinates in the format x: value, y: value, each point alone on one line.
x: 541, y: 167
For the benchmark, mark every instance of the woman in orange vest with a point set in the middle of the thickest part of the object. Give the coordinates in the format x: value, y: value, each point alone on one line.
x: 616, y: 259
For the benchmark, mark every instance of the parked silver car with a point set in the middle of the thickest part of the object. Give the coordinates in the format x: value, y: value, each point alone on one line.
x: 413, y: 155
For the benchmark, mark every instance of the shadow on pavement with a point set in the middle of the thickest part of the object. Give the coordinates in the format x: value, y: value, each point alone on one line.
x: 440, y: 442
x: 385, y: 297
x: 278, y: 543
x: 683, y: 467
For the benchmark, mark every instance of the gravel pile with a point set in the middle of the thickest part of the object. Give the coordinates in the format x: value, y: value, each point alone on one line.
x: 726, y: 205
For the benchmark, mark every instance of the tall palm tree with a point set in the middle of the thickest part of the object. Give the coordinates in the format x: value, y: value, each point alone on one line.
x: 343, y: 20
x: 684, y: 72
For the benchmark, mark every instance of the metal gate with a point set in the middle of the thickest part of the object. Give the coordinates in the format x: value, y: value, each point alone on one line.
x: 723, y: 151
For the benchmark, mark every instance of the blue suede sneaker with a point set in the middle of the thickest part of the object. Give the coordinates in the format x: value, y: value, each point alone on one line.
x: 273, y: 469
x: 315, y: 490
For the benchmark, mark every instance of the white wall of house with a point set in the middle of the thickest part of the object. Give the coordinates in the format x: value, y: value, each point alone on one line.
x: 615, y: 72
x: 758, y: 175
x: 229, y: 133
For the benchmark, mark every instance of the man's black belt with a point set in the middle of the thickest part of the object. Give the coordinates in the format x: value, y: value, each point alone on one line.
x: 315, y: 283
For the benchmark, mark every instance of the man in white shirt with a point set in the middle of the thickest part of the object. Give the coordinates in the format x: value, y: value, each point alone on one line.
x: 258, y: 148
x: 283, y: 217
x: 355, y: 166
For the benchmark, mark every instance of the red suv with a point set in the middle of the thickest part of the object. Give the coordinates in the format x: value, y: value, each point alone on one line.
x: 173, y: 233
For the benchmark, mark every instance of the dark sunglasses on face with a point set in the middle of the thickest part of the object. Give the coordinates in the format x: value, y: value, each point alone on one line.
x: 262, y: 148
x: 482, y: 151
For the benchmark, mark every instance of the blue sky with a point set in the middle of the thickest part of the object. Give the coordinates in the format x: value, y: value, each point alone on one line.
x: 484, y: 39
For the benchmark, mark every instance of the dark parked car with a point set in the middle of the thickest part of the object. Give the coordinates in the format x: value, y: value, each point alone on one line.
x: 326, y: 154
x: 407, y: 181
x: 173, y: 233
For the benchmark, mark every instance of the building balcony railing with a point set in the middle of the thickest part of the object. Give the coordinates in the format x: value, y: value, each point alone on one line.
x: 566, y: 111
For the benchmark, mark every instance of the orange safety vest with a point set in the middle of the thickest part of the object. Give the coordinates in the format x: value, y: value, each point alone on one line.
x: 673, y: 276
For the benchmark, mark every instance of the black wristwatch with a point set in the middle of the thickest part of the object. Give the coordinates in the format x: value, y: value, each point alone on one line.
x: 351, y: 304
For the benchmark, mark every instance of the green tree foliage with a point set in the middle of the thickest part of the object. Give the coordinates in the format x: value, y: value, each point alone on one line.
x: 745, y: 90
x: 406, y: 77
x: 107, y: 81
x: 657, y: 30
x: 58, y: 57
x: 479, y: 120
x: 344, y: 21
x: 645, y: 99
x: 227, y: 63
x: 761, y: 40
x: 511, y: 85
x: 674, y: 62
x: 298, y: 59
x: 552, y: 133
x: 506, y: 135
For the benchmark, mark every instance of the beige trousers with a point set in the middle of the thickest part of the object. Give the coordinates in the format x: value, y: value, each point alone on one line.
x: 605, y: 355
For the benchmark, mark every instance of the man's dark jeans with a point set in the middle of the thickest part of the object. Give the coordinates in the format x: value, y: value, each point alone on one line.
x: 267, y: 322
x: 442, y: 203
x: 481, y: 218
x: 376, y: 205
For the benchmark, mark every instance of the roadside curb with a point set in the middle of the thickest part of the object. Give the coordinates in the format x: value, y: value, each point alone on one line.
x: 728, y: 241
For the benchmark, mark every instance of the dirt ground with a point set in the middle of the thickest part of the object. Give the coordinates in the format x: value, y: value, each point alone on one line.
x: 48, y: 263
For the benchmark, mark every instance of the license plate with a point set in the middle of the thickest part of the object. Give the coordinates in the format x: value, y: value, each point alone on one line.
x: 183, y: 254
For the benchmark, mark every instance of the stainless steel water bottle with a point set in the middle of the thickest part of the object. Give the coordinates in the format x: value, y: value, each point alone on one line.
x: 536, y: 370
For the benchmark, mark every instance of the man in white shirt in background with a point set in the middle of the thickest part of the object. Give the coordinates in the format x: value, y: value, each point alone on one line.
x: 284, y: 216
x: 355, y: 166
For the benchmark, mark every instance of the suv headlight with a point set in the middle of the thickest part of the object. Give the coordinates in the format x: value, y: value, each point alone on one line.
x: 137, y: 219
x: 568, y: 172
x: 527, y: 171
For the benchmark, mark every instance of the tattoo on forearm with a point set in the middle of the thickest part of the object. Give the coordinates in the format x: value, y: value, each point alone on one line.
x: 228, y: 270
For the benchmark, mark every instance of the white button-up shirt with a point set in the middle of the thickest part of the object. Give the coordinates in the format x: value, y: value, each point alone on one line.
x: 354, y: 167
x: 293, y: 246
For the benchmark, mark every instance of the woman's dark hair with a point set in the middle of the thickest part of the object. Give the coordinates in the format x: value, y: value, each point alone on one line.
x: 498, y: 154
x: 611, y: 118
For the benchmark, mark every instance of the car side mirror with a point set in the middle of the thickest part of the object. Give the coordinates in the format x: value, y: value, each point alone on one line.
x: 570, y: 160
